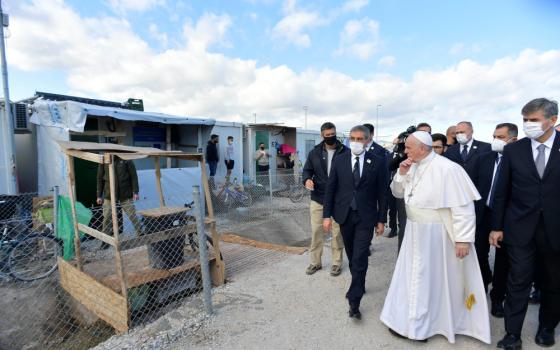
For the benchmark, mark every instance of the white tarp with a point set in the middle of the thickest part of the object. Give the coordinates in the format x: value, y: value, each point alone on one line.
x: 70, y: 115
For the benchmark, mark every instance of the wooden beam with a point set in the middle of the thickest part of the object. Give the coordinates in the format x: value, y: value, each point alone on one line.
x: 92, y: 157
x: 158, y: 182
x: 97, y: 234
x: 99, y: 299
x: 99, y: 133
x: 154, y: 237
x: 118, y: 257
x: 72, y: 195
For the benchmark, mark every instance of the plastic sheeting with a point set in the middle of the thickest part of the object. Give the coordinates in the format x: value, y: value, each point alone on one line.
x: 71, y: 115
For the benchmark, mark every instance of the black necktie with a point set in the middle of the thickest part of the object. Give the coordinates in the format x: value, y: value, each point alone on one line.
x: 495, y: 181
x: 464, y: 153
x: 356, y: 172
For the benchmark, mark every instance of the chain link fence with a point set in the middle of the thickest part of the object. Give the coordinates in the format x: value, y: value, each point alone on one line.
x: 50, y: 301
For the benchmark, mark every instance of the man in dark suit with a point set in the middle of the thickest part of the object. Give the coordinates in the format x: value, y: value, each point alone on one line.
x: 526, y: 213
x: 355, y: 197
x: 487, y: 176
x: 373, y: 146
x: 467, y: 150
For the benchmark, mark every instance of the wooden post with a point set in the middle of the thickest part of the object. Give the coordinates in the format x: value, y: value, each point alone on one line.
x: 217, y: 268
x: 72, y: 196
x: 158, y: 182
x: 118, y: 256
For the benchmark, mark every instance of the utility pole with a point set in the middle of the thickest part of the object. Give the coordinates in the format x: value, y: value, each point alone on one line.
x: 8, y: 124
x: 377, y: 126
x: 305, y: 109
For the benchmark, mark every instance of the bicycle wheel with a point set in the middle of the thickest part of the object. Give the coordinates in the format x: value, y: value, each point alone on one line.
x: 246, y: 199
x: 34, y: 258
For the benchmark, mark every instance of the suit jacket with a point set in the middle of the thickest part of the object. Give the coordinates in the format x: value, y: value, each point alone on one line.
x: 522, y: 196
x: 376, y: 148
x: 371, y: 192
x: 483, y: 180
x: 478, y: 148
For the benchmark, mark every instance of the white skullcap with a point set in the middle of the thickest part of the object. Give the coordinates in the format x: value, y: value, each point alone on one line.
x: 423, y: 137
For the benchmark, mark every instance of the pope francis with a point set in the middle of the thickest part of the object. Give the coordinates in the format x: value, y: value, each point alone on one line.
x: 436, y: 286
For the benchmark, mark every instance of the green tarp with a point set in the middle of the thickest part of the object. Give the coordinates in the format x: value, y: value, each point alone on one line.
x: 65, y: 227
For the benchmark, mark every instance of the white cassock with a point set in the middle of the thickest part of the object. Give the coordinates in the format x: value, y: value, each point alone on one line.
x: 430, y: 284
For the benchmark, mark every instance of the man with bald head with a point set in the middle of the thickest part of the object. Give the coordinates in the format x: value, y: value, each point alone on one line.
x: 467, y: 150
x: 436, y: 286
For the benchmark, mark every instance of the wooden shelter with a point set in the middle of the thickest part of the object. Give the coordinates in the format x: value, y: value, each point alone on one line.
x: 104, y: 291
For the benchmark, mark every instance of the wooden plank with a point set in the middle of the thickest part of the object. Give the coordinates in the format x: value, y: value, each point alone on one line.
x: 140, y: 277
x: 72, y: 195
x: 92, y: 157
x: 158, y: 182
x: 208, y: 198
x: 97, y: 234
x: 118, y: 257
x: 99, y: 299
x: 162, y: 211
x: 231, y: 238
x: 103, y: 133
x: 134, y: 242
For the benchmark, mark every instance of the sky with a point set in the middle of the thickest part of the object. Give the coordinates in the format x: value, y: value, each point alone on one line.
x: 348, y: 62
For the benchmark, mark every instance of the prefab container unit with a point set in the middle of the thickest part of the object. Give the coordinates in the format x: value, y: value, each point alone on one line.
x: 274, y: 135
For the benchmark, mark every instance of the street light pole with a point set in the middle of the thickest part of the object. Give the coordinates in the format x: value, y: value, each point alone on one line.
x: 8, y: 125
x: 377, y: 126
x: 305, y: 109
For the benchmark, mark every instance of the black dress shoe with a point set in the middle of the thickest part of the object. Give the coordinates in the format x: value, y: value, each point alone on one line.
x: 355, y: 313
x: 545, y: 337
x: 497, y: 310
x: 510, y: 342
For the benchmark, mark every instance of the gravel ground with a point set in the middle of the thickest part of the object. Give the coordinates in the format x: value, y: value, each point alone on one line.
x: 274, y: 305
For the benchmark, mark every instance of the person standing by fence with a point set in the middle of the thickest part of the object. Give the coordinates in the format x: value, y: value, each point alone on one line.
x: 229, y: 155
x: 263, y: 158
x: 212, y: 158
x: 315, y: 176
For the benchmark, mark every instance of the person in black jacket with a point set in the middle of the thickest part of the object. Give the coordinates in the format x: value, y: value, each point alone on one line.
x: 467, y: 150
x: 315, y: 177
x: 356, y: 198
x: 212, y: 157
x: 525, y: 217
x: 373, y: 146
x: 487, y: 176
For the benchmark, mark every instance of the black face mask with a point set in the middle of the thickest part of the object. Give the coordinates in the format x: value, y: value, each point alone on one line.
x: 262, y: 147
x: 330, y: 140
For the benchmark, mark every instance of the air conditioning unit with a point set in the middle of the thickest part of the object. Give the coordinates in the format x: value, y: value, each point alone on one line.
x: 20, y: 112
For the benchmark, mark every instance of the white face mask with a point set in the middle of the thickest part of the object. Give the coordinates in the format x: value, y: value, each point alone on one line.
x: 534, y: 130
x: 498, y: 145
x: 462, y: 138
x: 357, y: 148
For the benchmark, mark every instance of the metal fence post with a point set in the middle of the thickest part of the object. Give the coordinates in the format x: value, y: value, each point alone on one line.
x: 55, y: 208
x: 204, y: 266
x: 270, y: 190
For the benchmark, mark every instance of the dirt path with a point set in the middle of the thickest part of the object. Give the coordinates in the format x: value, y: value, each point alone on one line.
x: 274, y: 305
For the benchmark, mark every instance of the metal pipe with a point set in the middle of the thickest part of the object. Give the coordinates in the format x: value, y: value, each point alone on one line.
x: 8, y: 143
x: 203, y: 254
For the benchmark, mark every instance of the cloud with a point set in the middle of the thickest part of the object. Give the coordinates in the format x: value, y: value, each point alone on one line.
x: 192, y: 80
x: 293, y: 26
x: 387, y: 61
x: 359, y: 39
x: 123, y: 6
x: 354, y: 5
x: 209, y: 29
x: 461, y: 48
x: 157, y: 35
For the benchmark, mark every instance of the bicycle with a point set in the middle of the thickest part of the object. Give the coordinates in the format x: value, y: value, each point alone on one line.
x: 229, y: 197
x: 27, y: 256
